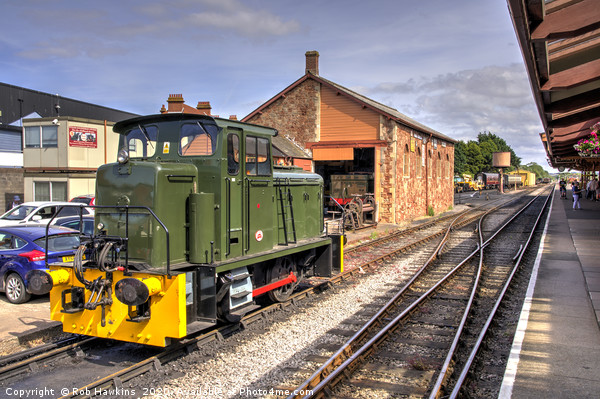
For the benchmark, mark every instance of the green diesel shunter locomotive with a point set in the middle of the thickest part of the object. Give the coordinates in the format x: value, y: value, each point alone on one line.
x: 192, y: 224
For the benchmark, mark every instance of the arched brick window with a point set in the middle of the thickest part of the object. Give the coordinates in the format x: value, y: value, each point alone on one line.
x: 406, y: 171
x: 418, y: 163
x: 429, y: 164
x: 438, y: 168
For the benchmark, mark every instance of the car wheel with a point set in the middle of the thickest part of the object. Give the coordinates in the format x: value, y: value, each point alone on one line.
x: 15, y: 289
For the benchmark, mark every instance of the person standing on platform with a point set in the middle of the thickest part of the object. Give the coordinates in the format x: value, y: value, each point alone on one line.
x: 593, y: 188
x: 563, y: 189
x: 576, y: 195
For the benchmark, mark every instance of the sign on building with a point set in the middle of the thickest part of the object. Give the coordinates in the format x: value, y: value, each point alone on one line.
x: 83, y: 137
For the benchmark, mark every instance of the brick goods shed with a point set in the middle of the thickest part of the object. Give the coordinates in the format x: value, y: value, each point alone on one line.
x: 410, y: 166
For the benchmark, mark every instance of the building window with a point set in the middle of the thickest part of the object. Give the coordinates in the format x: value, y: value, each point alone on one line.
x: 49, y: 191
x: 418, y: 161
x: 41, y: 136
x: 438, y: 169
x: 406, y: 171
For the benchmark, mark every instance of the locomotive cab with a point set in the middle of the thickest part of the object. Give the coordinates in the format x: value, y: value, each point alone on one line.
x: 193, y: 223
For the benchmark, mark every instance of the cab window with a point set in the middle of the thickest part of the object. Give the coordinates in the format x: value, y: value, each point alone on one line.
x: 233, y: 154
x: 141, y: 141
x: 257, y: 156
x: 196, y: 139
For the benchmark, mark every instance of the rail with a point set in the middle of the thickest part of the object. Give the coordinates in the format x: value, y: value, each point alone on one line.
x: 334, y: 369
x: 463, y: 374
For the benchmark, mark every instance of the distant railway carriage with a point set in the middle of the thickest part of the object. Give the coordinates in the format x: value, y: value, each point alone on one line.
x: 513, y: 180
x: 489, y: 180
x: 193, y: 224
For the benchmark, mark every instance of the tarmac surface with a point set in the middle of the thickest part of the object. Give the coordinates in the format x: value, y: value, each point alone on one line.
x: 556, y: 352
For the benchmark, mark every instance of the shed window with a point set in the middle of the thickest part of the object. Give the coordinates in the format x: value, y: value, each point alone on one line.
x: 418, y: 161
x: 406, y: 170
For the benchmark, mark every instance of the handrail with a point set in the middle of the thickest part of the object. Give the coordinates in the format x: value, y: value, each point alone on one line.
x: 228, y: 215
x: 343, y: 210
x: 127, y: 208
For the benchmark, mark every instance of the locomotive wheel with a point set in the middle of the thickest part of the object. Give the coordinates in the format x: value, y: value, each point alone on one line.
x: 280, y: 270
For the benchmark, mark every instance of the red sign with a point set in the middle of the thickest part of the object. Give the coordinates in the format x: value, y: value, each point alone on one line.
x: 83, y: 137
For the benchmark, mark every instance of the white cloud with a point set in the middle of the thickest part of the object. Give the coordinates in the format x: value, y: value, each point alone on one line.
x: 464, y: 103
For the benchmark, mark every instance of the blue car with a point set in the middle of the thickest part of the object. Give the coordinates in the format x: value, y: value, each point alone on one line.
x: 22, y: 248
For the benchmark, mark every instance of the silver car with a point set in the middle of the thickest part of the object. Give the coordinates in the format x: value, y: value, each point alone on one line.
x: 40, y: 212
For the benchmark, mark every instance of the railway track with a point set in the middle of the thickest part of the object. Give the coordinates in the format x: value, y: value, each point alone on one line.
x: 155, y: 361
x: 409, y: 347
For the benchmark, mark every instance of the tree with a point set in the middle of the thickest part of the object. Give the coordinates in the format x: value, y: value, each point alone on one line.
x: 540, y: 173
x: 460, y: 158
x: 475, y: 159
x: 499, y: 145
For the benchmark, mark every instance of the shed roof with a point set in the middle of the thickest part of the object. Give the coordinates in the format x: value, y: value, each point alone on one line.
x: 382, y: 109
x: 287, y: 148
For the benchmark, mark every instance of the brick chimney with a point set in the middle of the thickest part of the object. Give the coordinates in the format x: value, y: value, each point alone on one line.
x: 312, y: 62
x: 204, y: 107
x: 233, y: 117
x: 163, y: 110
x: 175, y: 103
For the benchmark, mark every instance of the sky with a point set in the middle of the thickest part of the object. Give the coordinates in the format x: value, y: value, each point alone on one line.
x: 454, y: 66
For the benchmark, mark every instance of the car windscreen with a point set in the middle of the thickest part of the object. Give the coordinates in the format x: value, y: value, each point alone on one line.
x: 60, y: 242
x: 19, y: 213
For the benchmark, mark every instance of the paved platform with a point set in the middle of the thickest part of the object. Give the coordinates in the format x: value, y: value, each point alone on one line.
x: 556, y: 352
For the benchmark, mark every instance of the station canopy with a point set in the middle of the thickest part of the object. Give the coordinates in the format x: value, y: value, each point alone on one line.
x: 560, y: 42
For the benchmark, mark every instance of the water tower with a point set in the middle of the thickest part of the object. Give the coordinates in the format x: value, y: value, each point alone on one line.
x: 501, y: 160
